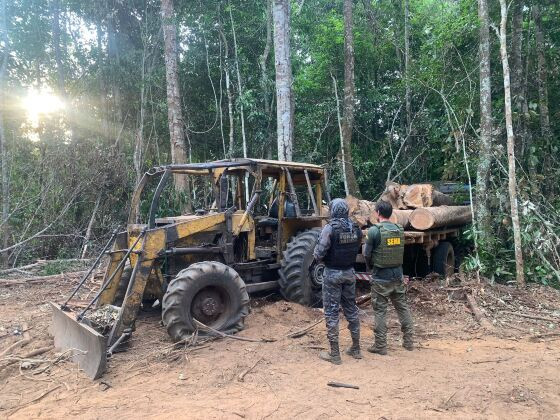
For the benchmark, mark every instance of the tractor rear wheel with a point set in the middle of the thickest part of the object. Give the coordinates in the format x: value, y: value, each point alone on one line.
x: 301, y: 280
x: 210, y: 292
x: 444, y: 259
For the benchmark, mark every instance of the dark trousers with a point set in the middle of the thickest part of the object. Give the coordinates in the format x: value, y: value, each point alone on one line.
x: 381, y: 293
x: 339, y: 289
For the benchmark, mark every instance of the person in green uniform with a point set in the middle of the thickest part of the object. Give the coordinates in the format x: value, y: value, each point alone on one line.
x: 383, y: 252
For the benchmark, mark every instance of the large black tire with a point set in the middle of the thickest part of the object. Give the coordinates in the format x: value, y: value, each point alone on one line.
x: 444, y: 259
x: 208, y: 291
x: 300, y: 280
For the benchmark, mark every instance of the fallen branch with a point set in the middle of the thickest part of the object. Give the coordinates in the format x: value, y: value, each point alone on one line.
x: 363, y: 299
x: 39, y: 398
x: 234, y: 337
x: 27, y: 356
x: 315, y: 347
x: 477, y: 362
x: 541, y: 336
x: 342, y: 385
x: 21, y: 268
x: 478, y: 315
x: 241, y: 376
x: 19, y: 343
x: 35, y: 280
x: 301, y: 333
x: 540, y: 318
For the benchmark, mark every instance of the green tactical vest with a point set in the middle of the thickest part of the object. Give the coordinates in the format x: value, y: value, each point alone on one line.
x: 390, y: 251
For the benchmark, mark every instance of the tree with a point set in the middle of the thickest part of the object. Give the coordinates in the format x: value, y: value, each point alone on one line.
x: 512, y: 181
x: 542, y: 77
x: 349, y: 102
x: 407, y: 65
x: 264, y: 79
x: 56, y: 45
x: 240, y: 91
x: 229, y: 93
x: 483, y: 219
x: 174, y: 113
x: 284, y: 95
x: 4, y: 223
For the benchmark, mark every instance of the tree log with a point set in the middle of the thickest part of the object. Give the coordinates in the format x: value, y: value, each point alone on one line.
x: 402, y: 217
x: 441, y: 199
x: 434, y: 217
x: 361, y: 212
x: 418, y: 195
x: 424, y: 195
x: 393, y: 195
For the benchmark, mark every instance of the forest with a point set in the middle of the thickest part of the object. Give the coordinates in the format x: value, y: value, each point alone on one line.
x: 93, y: 94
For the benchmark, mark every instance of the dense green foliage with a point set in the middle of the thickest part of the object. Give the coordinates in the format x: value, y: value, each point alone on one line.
x: 111, y: 75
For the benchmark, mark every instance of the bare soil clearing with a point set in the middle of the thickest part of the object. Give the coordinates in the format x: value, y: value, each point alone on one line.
x: 510, y: 369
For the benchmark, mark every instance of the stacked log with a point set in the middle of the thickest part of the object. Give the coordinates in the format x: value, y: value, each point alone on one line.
x: 424, y: 195
x: 435, y: 217
x: 414, y: 196
x: 393, y: 195
x: 402, y: 217
x: 361, y: 212
x: 416, y: 207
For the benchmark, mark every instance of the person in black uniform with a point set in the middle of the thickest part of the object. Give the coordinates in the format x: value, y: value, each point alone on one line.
x: 338, y: 246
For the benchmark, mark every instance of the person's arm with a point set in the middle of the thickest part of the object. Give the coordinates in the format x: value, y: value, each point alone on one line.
x: 372, y: 241
x: 323, y: 244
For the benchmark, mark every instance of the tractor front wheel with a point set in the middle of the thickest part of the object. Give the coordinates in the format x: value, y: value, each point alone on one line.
x: 300, y: 278
x: 210, y: 292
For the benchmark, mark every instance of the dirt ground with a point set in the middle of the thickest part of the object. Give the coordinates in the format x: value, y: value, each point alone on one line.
x: 508, y: 370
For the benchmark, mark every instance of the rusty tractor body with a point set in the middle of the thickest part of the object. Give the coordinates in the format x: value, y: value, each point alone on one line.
x: 257, y: 234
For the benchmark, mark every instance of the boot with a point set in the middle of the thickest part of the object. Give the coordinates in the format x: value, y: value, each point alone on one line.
x: 354, y: 351
x: 377, y: 350
x: 333, y: 356
x: 408, y: 344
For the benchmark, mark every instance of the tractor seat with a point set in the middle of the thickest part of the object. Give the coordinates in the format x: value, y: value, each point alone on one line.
x: 267, y: 221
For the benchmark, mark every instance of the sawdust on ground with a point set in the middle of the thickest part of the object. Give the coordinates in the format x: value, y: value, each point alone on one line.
x: 458, y: 369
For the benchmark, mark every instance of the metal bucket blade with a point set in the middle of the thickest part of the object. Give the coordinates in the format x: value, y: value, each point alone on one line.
x: 88, y: 346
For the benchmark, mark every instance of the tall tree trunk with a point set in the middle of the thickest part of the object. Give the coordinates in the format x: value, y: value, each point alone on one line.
x: 239, y: 85
x: 264, y: 75
x: 546, y: 132
x: 5, y: 227
x: 56, y: 46
x: 101, y: 84
x: 519, y: 88
x: 407, y: 66
x: 221, y: 99
x: 114, y: 63
x: 512, y: 182
x: 241, y: 111
x: 339, y: 119
x: 284, y: 95
x: 483, y: 220
x: 138, y: 156
x: 87, y: 236
x: 174, y: 113
x: 228, y: 90
x: 349, y: 100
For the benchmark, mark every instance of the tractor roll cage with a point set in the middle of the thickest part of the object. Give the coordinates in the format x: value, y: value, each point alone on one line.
x: 257, y: 167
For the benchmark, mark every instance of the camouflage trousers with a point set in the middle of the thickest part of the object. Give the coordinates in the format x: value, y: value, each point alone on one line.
x: 381, y: 293
x: 339, y: 289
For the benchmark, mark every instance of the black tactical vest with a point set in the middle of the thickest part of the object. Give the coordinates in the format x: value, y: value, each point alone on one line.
x: 344, y: 246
